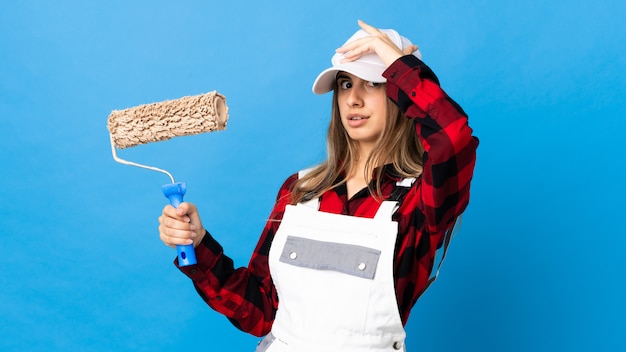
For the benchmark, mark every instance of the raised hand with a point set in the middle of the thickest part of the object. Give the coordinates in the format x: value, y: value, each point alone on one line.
x: 377, y: 43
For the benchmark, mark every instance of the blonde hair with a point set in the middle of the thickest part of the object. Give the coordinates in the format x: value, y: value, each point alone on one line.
x: 398, y: 144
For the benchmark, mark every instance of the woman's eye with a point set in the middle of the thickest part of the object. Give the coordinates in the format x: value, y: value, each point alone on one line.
x: 374, y: 84
x: 345, y: 84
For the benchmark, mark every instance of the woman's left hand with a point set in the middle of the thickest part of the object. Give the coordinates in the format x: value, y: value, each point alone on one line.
x: 377, y: 43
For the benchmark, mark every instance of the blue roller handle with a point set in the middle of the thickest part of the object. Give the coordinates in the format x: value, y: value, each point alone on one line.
x: 175, y: 192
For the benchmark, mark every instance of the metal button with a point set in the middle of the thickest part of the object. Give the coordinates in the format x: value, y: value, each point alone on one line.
x: 397, y: 345
x: 362, y: 266
x: 293, y: 255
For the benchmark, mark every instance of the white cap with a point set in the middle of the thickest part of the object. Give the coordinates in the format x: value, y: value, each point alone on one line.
x: 368, y: 67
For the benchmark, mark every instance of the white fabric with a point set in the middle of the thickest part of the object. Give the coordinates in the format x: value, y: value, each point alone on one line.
x: 328, y: 310
x: 368, y: 67
x: 406, y: 182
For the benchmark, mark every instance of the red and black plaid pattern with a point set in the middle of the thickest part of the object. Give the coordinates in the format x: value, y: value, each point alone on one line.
x: 246, y: 295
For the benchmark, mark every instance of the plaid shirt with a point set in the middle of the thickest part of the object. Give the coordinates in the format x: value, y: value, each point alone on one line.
x: 247, y: 296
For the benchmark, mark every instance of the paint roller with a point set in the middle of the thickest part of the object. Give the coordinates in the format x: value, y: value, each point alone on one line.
x: 161, y: 121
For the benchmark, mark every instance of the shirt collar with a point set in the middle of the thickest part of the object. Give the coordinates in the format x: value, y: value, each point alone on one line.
x: 389, y: 173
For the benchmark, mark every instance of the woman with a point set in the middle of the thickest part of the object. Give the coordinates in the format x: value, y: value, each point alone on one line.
x: 350, y: 244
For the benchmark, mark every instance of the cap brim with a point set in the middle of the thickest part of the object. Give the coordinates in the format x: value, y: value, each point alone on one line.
x: 368, y: 67
x: 325, y: 80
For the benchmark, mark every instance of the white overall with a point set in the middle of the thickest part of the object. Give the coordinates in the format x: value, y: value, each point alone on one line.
x: 334, y: 278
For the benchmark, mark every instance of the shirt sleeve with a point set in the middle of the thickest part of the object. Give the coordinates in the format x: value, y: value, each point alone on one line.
x: 245, y: 295
x: 442, y: 127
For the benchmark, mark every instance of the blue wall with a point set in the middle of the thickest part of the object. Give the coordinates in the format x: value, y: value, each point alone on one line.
x: 537, y: 266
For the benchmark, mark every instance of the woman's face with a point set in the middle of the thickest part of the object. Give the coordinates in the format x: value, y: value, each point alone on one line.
x: 363, y: 108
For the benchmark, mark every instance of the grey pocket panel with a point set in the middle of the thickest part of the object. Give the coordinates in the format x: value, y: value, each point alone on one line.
x: 345, y: 258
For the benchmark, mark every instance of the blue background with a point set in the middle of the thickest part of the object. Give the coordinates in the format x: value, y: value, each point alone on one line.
x: 538, y: 264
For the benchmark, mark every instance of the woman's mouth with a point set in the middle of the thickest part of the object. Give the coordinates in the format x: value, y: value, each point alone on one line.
x: 356, y: 120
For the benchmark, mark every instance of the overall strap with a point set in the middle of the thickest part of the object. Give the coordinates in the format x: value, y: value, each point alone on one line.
x: 313, y: 203
x: 445, y: 242
x: 388, y: 207
x: 303, y: 173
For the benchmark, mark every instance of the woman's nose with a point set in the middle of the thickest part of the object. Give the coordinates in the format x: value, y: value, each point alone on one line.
x: 355, y: 97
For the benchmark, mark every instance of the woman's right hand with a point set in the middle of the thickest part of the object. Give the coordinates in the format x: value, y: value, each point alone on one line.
x: 181, y: 226
x: 377, y: 43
